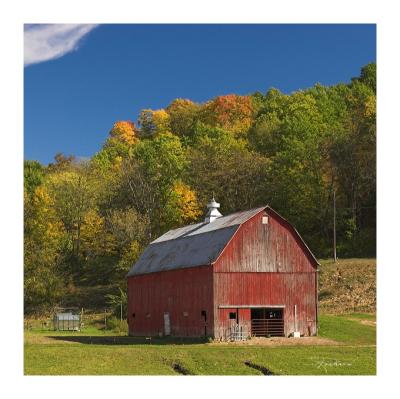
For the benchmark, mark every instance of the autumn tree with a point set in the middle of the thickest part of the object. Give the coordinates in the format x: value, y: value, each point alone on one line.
x: 43, y: 239
x: 125, y: 132
x: 86, y: 223
x: 154, y: 122
x: 183, y: 114
x: 182, y: 206
x: 231, y: 112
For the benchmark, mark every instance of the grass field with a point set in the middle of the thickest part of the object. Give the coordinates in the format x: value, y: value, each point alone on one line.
x: 348, y: 348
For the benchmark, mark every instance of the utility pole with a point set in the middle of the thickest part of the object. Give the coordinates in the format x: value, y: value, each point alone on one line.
x: 334, y: 226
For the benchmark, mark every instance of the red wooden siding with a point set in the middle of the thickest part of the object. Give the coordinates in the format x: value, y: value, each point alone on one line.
x: 265, y: 264
x: 267, y: 289
x: 258, y: 247
x: 176, y: 291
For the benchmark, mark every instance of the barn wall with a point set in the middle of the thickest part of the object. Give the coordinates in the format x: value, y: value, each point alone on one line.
x: 288, y: 289
x: 187, y: 290
x: 266, y: 264
x: 258, y: 247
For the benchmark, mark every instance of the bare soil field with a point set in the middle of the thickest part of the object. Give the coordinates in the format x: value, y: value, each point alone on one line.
x: 347, y: 286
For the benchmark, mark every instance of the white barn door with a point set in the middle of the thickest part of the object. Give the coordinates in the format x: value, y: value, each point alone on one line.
x: 167, y: 324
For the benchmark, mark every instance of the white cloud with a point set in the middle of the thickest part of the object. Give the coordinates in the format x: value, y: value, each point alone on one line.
x: 47, y: 42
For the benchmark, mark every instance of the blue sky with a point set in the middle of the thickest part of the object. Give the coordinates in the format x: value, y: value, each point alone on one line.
x: 88, y: 77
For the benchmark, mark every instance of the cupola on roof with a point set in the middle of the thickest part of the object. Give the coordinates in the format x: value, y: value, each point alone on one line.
x: 213, y: 212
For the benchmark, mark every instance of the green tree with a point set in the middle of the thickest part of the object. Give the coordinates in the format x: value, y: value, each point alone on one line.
x: 34, y: 173
x: 149, y: 176
x: 223, y: 165
x: 154, y: 122
x: 183, y: 115
x: 368, y: 76
x: 74, y: 196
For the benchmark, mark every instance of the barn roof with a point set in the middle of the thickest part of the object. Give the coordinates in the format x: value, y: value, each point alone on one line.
x: 194, y: 245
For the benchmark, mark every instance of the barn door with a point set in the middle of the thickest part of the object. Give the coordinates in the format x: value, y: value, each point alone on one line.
x: 267, y: 322
x: 167, y: 324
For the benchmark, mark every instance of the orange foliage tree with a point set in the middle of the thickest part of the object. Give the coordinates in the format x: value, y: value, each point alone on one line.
x: 124, y: 131
x: 231, y: 112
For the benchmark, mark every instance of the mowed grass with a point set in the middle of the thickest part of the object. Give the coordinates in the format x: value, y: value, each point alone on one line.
x: 97, y: 353
x: 348, y: 329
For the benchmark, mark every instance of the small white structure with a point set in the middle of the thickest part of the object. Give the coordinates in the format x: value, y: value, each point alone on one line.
x: 213, y: 212
x: 67, y: 321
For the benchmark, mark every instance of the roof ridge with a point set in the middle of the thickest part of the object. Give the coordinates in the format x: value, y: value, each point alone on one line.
x: 217, y: 224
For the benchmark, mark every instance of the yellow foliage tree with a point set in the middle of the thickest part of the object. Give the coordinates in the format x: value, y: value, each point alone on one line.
x: 129, y: 256
x: 154, y: 122
x: 95, y: 239
x: 43, y: 235
x: 124, y: 131
x: 183, y: 207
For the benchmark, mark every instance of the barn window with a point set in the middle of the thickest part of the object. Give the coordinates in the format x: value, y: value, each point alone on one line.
x: 148, y: 315
x: 265, y: 220
x: 185, y: 314
x: 133, y: 315
x: 232, y: 315
x: 204, y: 314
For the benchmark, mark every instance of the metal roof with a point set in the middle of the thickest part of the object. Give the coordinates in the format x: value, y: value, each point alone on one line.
x: 234, y: 219
x: 195, y: 245
x: 66, y: 316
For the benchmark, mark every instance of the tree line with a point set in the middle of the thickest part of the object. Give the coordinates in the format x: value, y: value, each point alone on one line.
x: 86, y: 222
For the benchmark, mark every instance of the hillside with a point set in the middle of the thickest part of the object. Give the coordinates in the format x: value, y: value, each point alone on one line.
x: 347, y: 286
x: 86, y: 222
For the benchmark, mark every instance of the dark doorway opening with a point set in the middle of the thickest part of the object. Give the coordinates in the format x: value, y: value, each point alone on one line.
x: 267, y: 322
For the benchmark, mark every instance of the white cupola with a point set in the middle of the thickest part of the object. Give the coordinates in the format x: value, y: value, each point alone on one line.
x: 213, y: 212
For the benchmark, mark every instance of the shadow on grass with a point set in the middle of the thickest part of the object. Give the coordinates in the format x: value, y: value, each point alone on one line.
x: 121, y: 340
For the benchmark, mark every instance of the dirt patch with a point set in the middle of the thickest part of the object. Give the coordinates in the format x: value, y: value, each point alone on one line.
x: 31, y: 338
x: 348, y: 286
x: 281, y: 341
x: 365, y: 322
x: 368, y: 322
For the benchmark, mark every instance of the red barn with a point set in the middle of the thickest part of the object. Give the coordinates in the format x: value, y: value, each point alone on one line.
x: 248, y: 273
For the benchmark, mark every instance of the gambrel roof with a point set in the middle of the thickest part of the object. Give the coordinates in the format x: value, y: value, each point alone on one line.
x: 195, y: 245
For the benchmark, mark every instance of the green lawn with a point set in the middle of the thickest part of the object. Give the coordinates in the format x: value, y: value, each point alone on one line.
x: 94, y: 352
x: 348, y: 329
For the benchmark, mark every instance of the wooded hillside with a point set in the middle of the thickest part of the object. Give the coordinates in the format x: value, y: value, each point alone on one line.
x: 87, y: 222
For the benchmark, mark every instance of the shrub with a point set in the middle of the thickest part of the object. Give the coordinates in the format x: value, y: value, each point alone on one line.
x: 117, y: 325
